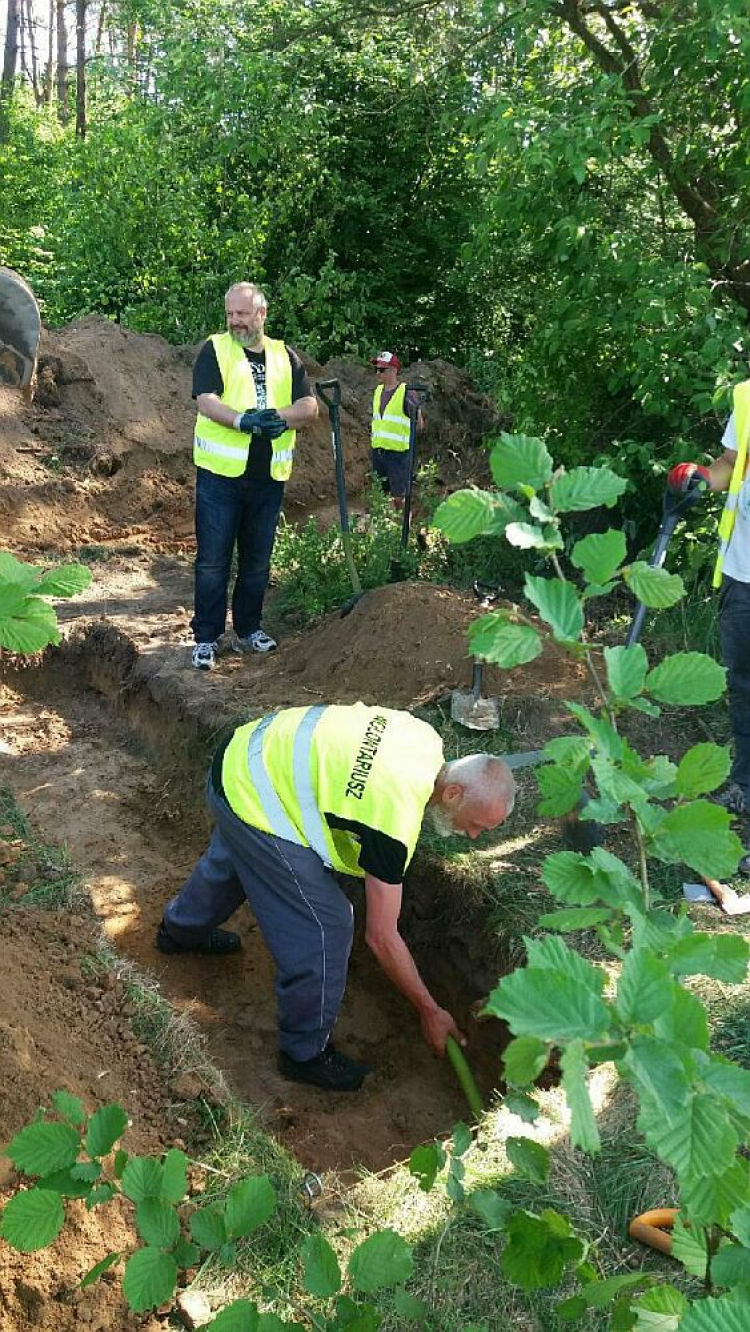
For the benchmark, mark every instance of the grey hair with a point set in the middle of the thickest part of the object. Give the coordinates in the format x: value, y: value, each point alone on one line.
x: 257, y: 295
x: 475, y: 772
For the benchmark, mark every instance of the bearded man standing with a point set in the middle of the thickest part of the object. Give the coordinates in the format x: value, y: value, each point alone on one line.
x: 252, y: 393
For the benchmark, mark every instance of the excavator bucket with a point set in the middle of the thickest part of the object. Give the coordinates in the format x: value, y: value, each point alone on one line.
x: 20, y: 328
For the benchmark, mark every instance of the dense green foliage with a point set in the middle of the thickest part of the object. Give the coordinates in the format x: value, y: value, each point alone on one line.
x: 550, y: 192
x: 27, y: 621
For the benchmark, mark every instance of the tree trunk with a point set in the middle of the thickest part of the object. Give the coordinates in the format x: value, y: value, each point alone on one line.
x: 100, y: 28
x: 63, y: 110
x: 81, y: 69
x: 33, y: 70
x: 10, y: 56
x: 50, y: 77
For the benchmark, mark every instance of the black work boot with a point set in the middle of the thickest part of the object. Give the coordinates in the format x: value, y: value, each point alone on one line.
x: 331, y: 1070
x: 216, y: 942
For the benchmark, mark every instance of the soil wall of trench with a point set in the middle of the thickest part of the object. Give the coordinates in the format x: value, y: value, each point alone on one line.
x: 113, y: 762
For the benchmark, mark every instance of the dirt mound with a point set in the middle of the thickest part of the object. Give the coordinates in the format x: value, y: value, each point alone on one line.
x: 103, y: 454
x: 65, y: 1026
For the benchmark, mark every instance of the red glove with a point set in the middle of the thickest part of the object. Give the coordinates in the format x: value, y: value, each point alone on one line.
x: 688, y: 476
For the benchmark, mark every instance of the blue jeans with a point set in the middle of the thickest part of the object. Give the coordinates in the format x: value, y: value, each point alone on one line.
x: 229, y: 511
x: 734, y: 625
x: 304, y: 917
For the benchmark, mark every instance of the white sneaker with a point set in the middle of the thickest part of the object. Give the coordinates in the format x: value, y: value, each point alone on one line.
x: 260, y: 641
x: 204, y: 656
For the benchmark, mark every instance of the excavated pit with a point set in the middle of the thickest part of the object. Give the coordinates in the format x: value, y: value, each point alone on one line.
x: 99, y: 761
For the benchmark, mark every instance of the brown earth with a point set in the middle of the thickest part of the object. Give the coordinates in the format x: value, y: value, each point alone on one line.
x: 105, y: 746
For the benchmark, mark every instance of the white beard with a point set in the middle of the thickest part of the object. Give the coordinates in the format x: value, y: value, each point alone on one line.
x: 443, y: 823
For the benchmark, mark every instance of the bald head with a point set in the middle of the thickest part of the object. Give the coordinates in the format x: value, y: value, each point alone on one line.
x: 472, y: 795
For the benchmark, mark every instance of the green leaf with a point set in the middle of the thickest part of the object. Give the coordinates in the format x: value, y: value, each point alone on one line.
x: 524, y: 1059
x: 174, y: 1181
x: 724, y: 957
x: 120, y: 1161
x: 570, y: 1310
x: 586, y: 488
x: 105, y: 1126
x: 558, y: 604
x: 69, y: 1107
x: 702, y: 769
x: 321, y: 1267
x: 684, y: 1021
x: 493, y: 1210
x: 560, y: 788
x: 711, y: 1199
x: 570, y: 751
x: 157, y: 1223
x: 142, y: 1178
x: 31, y: 629
x: 207, y: 1228
x: 599, y: 555
x: 88, y: 1171
x: 566, y: 921
x: 697, y: 1142
x: 645, y: 987
x: 239, y: 1316
x: 731, y: 1266
x: 654, y: 587
x: 626, y: 670
x: 99, y: 1269
x: 64, y: 581
x: 66, y: 1184
x: 42, y: 1147
x: 463, y: 1139
x: 530, y: 1158
x: 518, y: 1103
x: 660, y: 1072
x: 15, y: 572
x: 520, y: 460
x: 149, y: 1280
x: 465, y: 514
x: 598, y: 1294
x: 186, y: 1254
x: 383, y: 1260
x: 660, y: 1310
x: 741, y: 1224
x: 722, y: 1315
x: 425, y: 1163
x: 496, y: 638
x: 101, y: 1194
x: 699, y: 834
x: 583, y: 1130
x: 555, y: 954
x: 538, y: 1249
x: 687, y: 678
x: 549, y: 1005
x: 689, y: 1247
x: 32, y: 1219
x: 409, y: 1307
x: 527, y: 537
x: 249, y: 1204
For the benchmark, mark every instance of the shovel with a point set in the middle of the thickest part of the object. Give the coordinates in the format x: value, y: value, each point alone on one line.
x: 468, y: 706
x: 398, y: 570
x: 329, y: 392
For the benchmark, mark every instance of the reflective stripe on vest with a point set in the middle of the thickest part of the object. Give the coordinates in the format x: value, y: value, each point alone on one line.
x: 392, y: 429
x: 312, y: 822
x: 222, y: 449
x: 741, y: 406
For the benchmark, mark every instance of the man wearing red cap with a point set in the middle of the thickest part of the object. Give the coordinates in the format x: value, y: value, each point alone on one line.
x: 393, y: 408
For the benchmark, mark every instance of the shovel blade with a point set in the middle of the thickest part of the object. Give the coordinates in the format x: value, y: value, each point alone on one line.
x: 476, y: 714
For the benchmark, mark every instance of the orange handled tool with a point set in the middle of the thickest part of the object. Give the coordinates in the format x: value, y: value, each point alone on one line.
x: 653, y: 1228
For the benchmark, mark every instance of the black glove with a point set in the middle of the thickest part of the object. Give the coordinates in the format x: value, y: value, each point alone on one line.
x: 268, y: 422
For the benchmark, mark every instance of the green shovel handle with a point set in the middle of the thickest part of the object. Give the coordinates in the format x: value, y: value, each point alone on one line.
x: 465, y: 1077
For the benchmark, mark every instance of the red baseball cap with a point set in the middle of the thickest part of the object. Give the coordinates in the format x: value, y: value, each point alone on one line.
x: 384, y: 359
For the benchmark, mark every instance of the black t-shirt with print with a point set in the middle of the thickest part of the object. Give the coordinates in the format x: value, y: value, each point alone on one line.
x: 207, y: 378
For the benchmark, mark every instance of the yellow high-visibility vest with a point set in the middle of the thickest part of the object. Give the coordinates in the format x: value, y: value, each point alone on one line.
x: 223, y: 450
x: 741, y: 405
x: 375, y: 766
x: 390, y: 431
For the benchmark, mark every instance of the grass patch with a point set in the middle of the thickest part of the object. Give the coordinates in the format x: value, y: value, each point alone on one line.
x: 32, y: 872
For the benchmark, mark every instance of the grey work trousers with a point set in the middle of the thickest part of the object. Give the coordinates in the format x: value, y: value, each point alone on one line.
x: 304, y: 917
